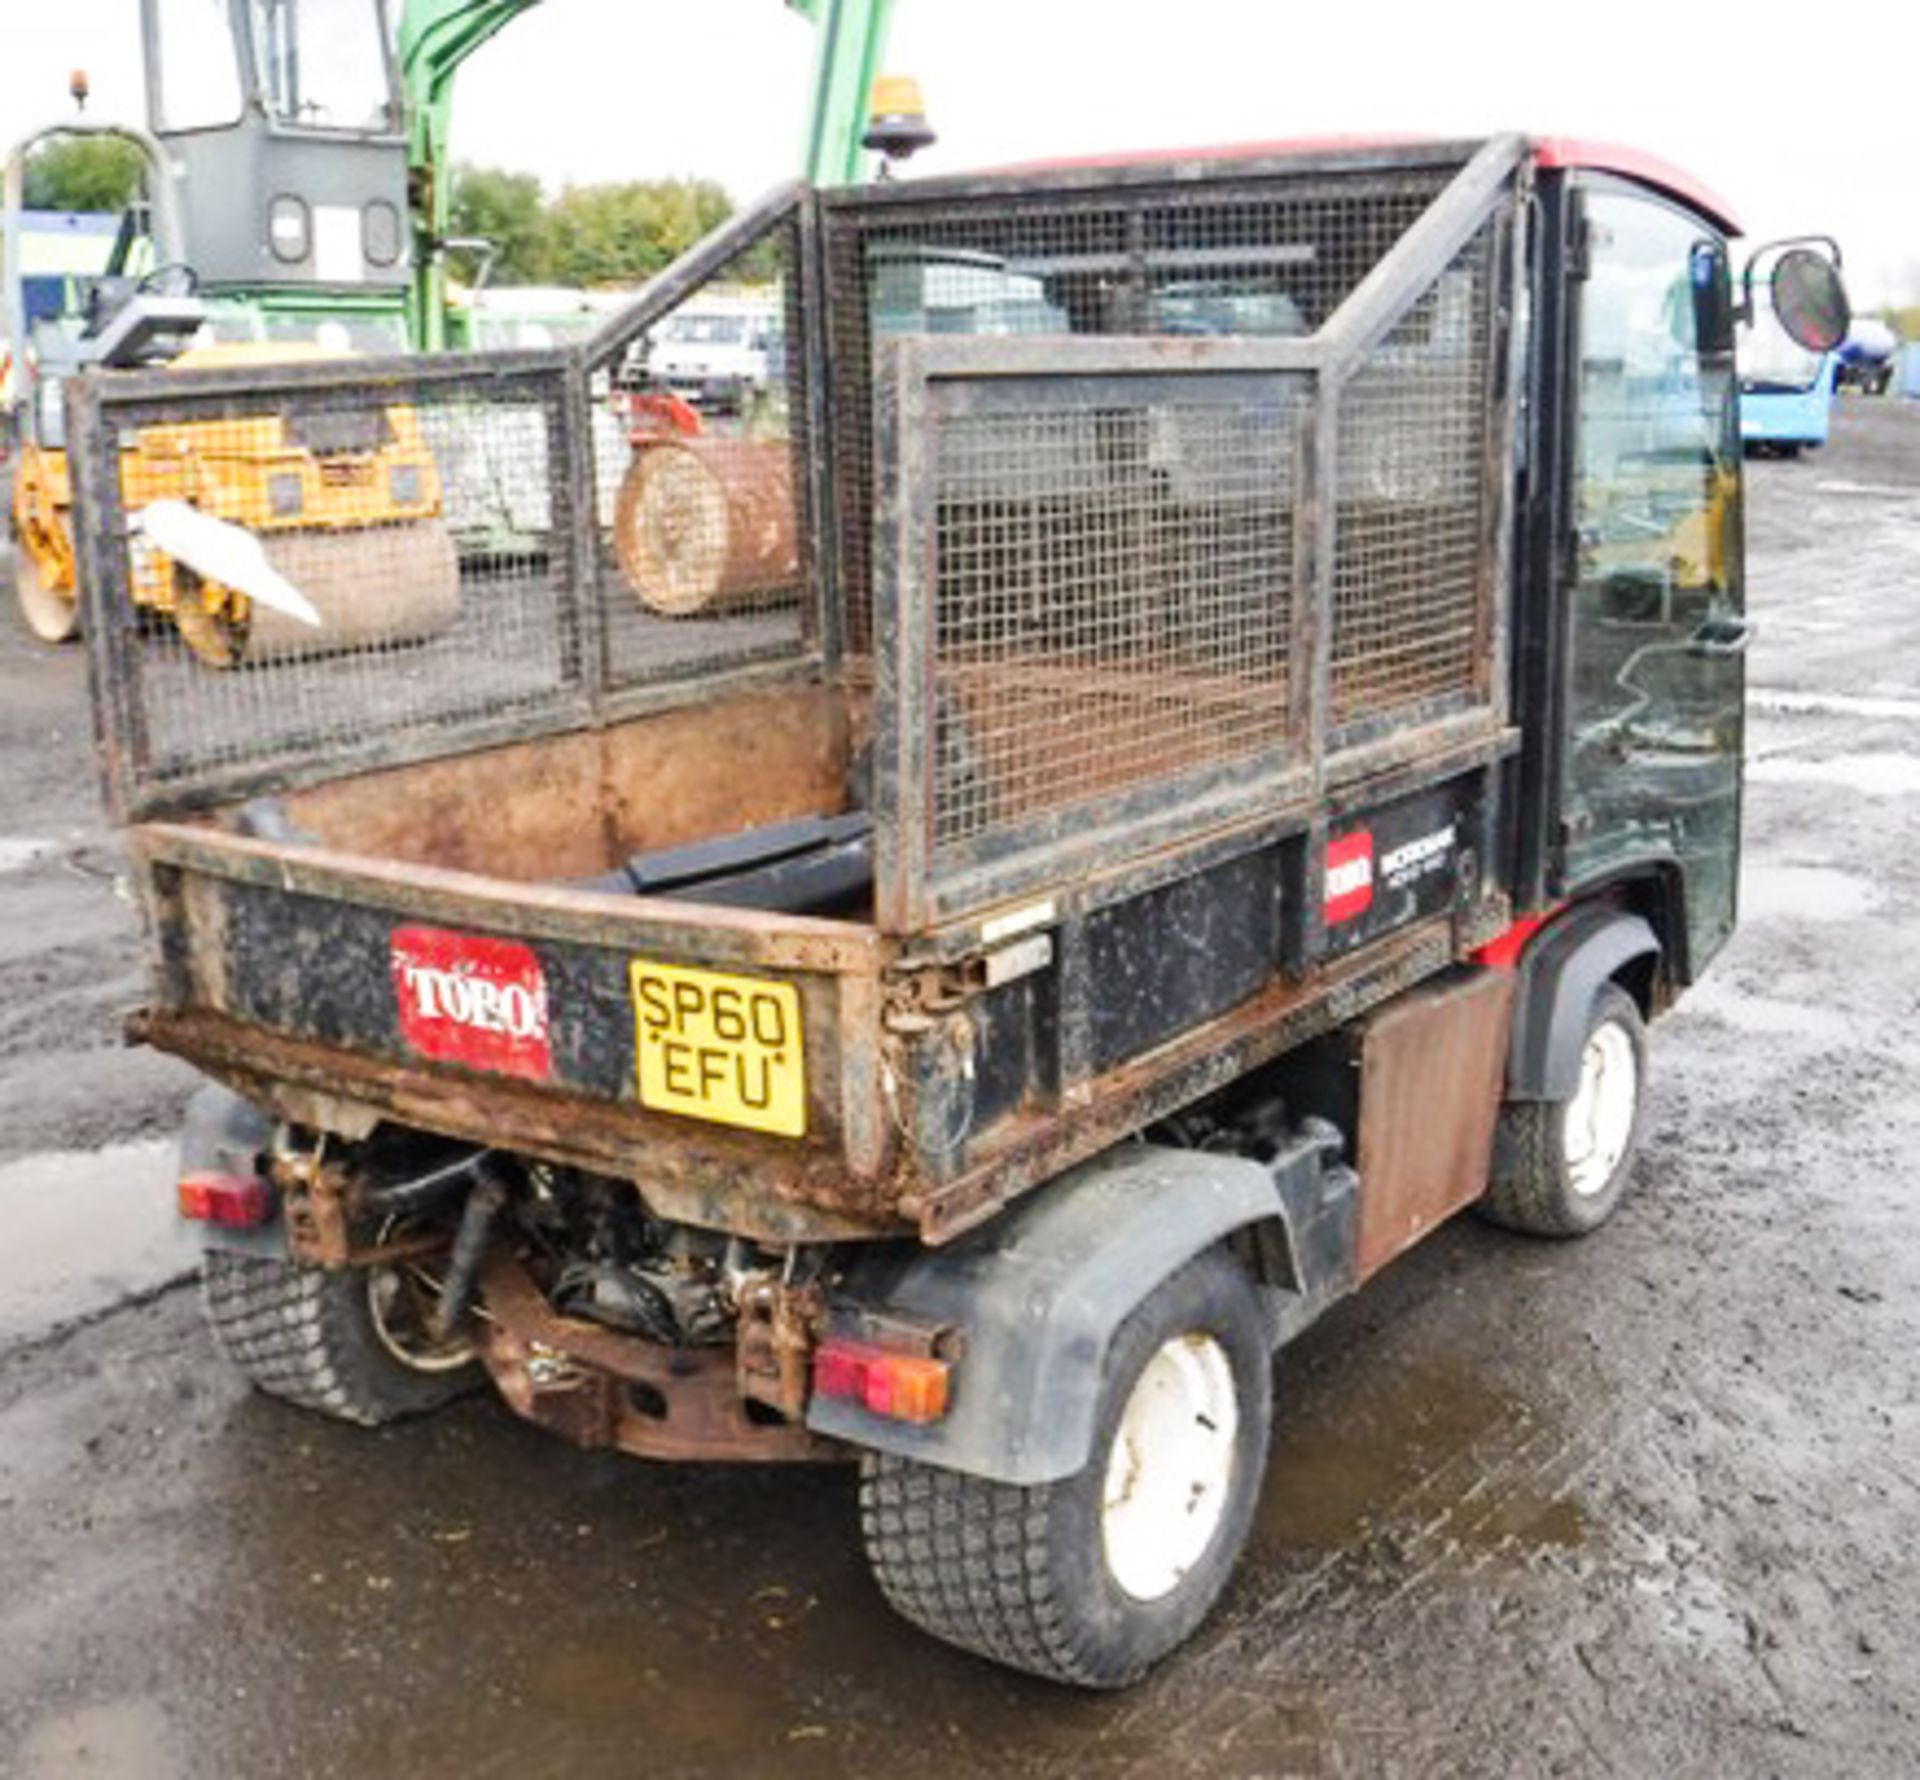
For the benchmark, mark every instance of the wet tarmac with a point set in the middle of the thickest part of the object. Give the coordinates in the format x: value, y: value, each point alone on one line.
x: 1642, y: 1505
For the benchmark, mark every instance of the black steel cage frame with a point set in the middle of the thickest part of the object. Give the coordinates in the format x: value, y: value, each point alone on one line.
x: 922, y: 380
x: 917, y: 380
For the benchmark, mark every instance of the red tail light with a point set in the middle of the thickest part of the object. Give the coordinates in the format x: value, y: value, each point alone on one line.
x: 902, y: 1387
x: 241, y: 1202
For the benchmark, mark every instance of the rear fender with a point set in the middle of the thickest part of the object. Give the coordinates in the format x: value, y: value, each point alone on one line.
x: 1035, y: 1298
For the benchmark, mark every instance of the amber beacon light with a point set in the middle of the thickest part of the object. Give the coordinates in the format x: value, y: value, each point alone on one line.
x: 897, y: 123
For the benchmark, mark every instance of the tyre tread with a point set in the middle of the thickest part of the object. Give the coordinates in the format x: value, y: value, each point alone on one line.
x: 302, y: 1334
x: 1530, y: 1191
x: 968, y: 1561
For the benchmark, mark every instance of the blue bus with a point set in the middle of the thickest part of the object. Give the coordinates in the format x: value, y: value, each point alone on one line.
x: 1786, y: 392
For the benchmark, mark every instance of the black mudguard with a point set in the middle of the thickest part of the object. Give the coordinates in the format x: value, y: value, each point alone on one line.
x: 1035, y: 1298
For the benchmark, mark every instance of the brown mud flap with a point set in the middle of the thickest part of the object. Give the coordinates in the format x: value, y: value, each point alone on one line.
x: 598, y: 1387
x: 372, y: 584
x: 1431, y: 1067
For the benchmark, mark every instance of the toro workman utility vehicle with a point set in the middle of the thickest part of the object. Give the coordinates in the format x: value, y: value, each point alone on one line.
x: 1186, y: 747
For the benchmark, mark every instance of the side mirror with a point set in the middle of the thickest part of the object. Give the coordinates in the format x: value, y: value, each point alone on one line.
x: 1810, y: 300
x: 1805, y: 290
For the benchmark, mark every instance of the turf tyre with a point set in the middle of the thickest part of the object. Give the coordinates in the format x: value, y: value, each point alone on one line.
x: 1021, y: 1574
x: 307, y: 1336
x: 1534, y: 1188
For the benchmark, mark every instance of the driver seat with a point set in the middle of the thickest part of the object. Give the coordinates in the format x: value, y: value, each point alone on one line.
x: 143, y: 330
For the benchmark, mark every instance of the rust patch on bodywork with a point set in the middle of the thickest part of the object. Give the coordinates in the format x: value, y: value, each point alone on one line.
x: 705, y: 1175
x: 1431, y: 1068
x: 601, y: 1388
x: 1033, y: 1147
x: 573, y: 804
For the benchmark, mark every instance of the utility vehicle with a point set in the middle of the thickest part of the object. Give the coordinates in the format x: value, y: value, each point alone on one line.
x: 1203, y: 806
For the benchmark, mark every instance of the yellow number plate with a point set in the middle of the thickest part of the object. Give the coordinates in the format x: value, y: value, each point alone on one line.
x: 720, y: 1047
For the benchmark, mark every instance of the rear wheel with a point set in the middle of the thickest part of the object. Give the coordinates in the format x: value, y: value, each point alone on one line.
x: 1563, y: 1164
x: 52, y: 616
x: 1091, y: 1580
x: 349, y: 1342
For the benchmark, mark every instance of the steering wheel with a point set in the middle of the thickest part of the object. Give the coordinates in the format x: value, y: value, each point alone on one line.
x: 173, y: 279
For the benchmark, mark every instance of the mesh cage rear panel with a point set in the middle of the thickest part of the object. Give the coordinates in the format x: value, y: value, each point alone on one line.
x: 1410, y: 568
x: 489, y: 543
x: 1112, y: 601
x: 377, y: 507
x: 1274, y: 255
x: 697, y: 430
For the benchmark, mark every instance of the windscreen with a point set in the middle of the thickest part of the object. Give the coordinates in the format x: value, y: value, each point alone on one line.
x: 196, y: 66
x: 323, y: 64
x: 1770, y: 360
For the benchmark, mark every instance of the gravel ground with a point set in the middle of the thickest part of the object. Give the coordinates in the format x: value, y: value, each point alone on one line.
x: 1641, y: 1505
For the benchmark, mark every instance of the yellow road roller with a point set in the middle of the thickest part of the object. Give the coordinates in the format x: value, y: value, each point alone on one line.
x: 309, y: 488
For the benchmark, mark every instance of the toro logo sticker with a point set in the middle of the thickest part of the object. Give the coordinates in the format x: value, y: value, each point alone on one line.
x: 472, y: 1000
x: 1349, y: 876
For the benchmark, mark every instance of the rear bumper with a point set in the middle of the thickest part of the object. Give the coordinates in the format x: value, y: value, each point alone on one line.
x: 599, y: 1388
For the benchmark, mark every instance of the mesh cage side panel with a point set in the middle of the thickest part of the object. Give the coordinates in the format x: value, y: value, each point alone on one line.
x: 366, y: 509
x: 1112, y: 604
x: 1408, y: 584
x: 1274, y: 255
x: 698, y: 439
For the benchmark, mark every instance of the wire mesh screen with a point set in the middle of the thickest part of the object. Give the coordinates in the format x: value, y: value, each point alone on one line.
x: 1113, y: 598
x: 1268, y: 256
x: 301, y: 570
x: 697, y: 430
x: 1410, y: 584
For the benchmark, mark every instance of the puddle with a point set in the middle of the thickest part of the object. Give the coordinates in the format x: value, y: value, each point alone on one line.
x: 1725, y: 1001
x: 1898, y: 491
x: 1423, y: 1449
x: 1803, y: 893
x: 17, y: 852
x: 1872, y: 775
x: 87, y: 1229
x: 127, y: 1740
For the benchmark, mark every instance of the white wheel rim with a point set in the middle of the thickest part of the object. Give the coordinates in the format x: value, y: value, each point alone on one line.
x: 1599, y: 1122
x: 1170, y: 1469
x: 390, y: 1297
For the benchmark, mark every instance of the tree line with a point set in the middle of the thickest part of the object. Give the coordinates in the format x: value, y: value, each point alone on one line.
x: 588, y: 235
x: 614, y: 233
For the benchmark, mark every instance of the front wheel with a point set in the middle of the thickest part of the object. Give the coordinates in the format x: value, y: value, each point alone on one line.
x: 52, y: 616
x: 1562, y: 1165
x: 1091, y: 1580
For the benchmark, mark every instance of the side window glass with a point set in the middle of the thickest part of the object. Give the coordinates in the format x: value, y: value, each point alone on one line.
x: 1655, y: 674
x: 1657, y: 478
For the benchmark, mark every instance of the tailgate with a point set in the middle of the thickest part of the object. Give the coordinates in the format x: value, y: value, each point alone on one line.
x: 724, y: 1058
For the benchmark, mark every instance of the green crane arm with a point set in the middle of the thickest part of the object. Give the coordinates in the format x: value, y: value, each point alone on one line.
x: 847, y: 53
x: 436, y: 36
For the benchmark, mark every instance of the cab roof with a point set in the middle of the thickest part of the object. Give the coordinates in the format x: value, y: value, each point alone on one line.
x: 1553, y: 152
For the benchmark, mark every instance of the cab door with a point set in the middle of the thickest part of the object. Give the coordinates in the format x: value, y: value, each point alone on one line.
x: 1657, y: 630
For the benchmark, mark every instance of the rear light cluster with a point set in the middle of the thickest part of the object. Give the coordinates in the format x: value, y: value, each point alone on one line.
x: 902, y: 1387
x: 238, y: 1201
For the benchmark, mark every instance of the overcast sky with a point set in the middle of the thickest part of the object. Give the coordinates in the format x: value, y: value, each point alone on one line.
x: 1801, y: 126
